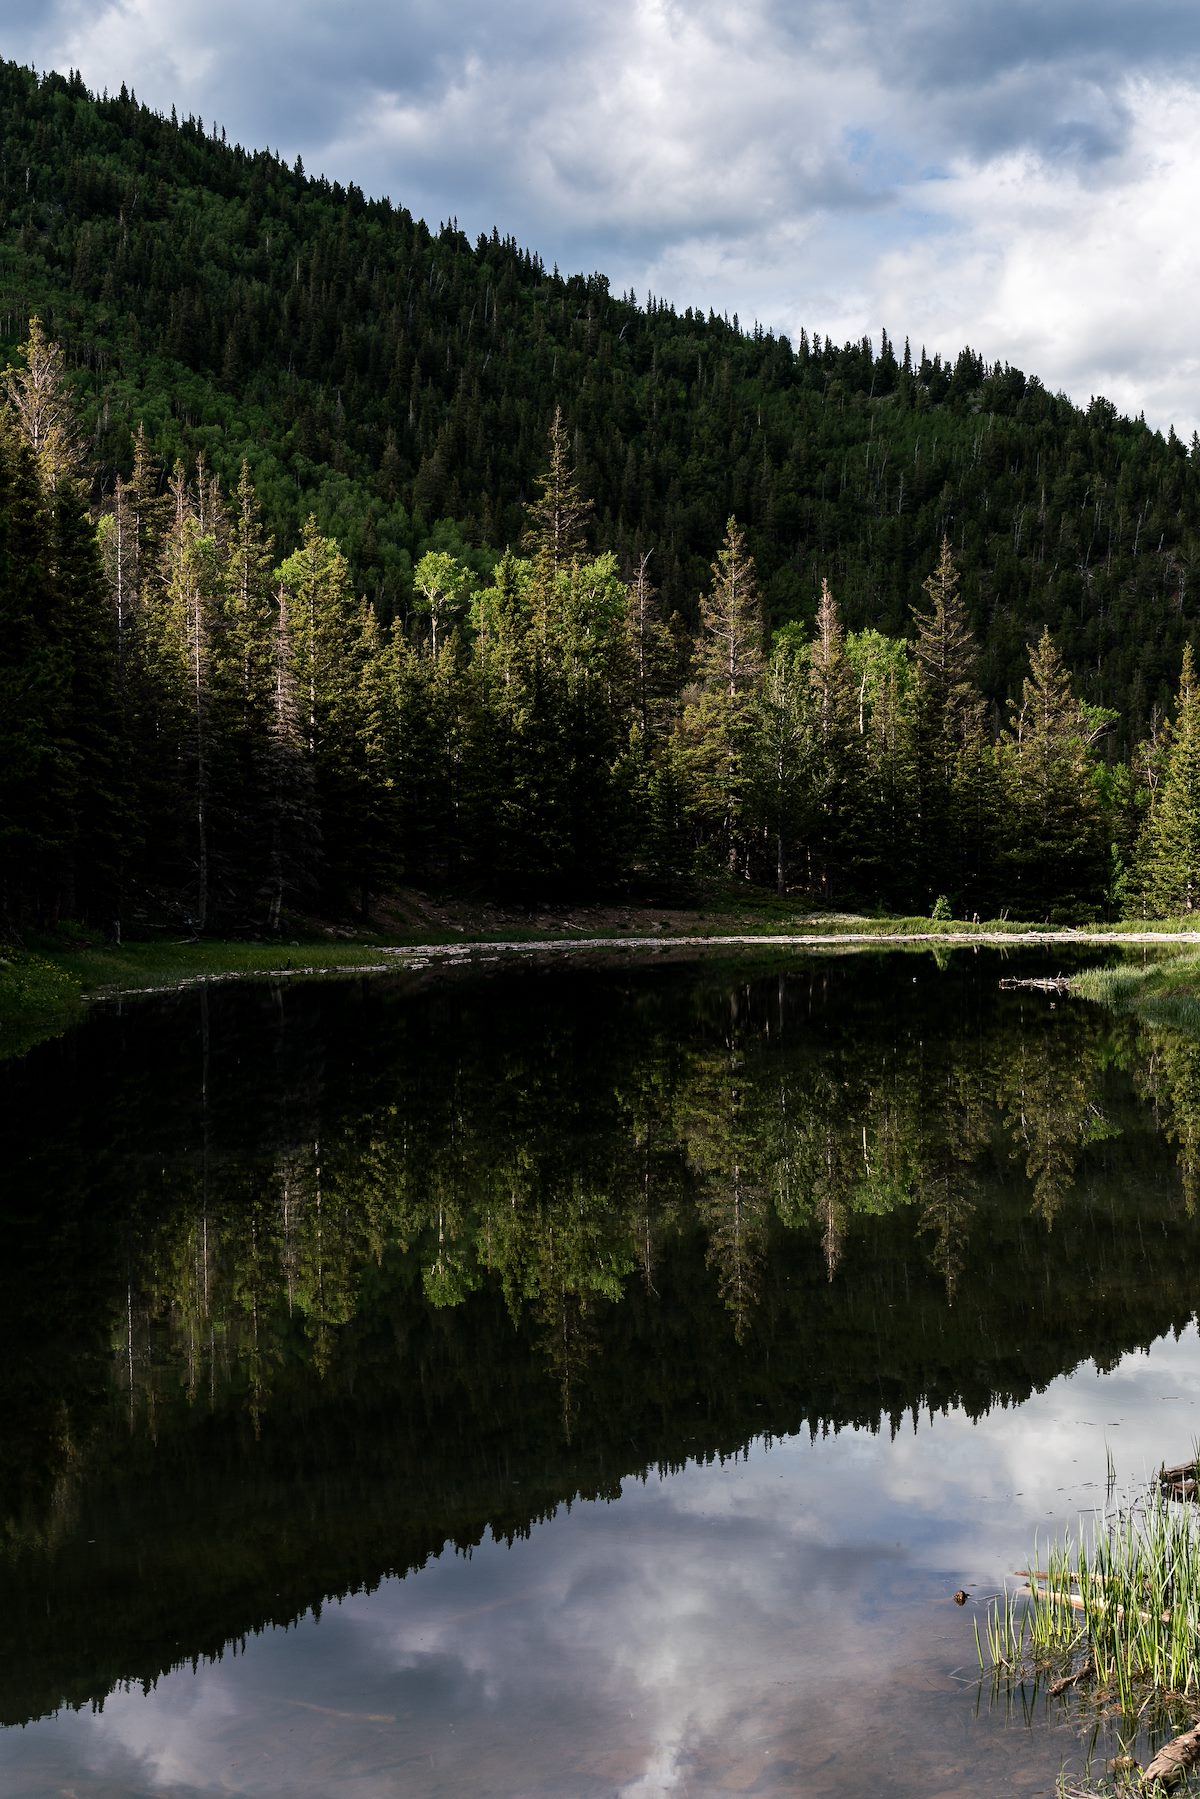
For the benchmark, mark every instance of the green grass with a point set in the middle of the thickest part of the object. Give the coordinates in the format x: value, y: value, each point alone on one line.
x: 38, y: 999
x: 1166, y: 991
x: 1120, y: 1610
x: 43, y: 988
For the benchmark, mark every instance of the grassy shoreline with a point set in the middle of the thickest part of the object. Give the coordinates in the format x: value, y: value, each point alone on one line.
x: 1166, y: 993
x: 45, y: 987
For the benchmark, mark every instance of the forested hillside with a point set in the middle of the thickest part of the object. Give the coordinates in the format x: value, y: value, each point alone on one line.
x: 385, y: 378
x: 334, y: 555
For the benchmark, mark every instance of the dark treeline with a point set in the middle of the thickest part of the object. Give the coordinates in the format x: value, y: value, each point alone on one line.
x: 313, y: 1279
x: 195, y: 726
x: 397, y: 383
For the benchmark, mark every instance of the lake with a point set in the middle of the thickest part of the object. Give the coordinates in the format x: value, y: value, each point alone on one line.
x: 591, y: 1376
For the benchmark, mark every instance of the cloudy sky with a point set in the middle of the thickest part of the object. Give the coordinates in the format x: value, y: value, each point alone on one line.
x: 1020, y: 175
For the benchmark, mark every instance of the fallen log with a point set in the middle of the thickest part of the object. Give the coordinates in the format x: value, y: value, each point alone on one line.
x: 1179, y: 1482
x: 1079, y: 1604
x: 1174, y: 1759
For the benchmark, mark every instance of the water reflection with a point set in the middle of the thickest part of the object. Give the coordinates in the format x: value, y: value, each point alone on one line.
x: 311, y: 1283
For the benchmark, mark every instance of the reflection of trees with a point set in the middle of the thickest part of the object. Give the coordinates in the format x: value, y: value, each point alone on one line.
x: 1169, y: 1075
x: 956, y: 1128
x: 552, y: 1187
x: 840, y: 1143
x: 1048, y: 1094
x: 947, y: 1208
x: 477, y: 1244
x: 816, y: 1163
x: 562, y: 1159
x: 716, y: 1120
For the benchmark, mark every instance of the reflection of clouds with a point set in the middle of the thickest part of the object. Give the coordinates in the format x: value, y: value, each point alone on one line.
x: 181, y: 1759
x: 713, y: 1623
x: 127, y: 1741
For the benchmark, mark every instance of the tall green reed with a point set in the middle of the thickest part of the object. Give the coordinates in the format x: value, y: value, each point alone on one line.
x: 1126, y: 1597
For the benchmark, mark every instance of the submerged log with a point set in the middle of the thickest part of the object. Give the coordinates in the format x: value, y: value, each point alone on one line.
x: 1058, y: 983
x: 1174, y: 1759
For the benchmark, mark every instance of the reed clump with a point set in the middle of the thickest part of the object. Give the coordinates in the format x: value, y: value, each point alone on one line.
x: 1116, y: 1614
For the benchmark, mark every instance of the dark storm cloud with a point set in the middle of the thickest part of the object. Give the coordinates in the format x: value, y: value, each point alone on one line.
x: 997, y: 75
x: 948, y: 44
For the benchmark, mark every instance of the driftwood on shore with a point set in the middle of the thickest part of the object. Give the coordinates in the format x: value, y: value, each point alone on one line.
x: 1180, y: 1482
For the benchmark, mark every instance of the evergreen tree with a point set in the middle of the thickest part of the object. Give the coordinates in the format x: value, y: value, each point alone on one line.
x: 949, y: 747
x: 558, y: 517
x: 331, y: 638
x: 37, y: 395
x: 727, y: 666
x: 651, y: 655
x: 836, y: 829
x: 781, y: 758
x: 248, y: 681
x: 293, y: 832
x: 1168, y: 863
x: 189, y: 627
x: 1056, y: 858
x: 93, y: 724
x: 37, y: 766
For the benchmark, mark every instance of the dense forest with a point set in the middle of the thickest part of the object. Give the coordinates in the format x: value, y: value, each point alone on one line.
x: 337, y: 554
x: 335, y: 1291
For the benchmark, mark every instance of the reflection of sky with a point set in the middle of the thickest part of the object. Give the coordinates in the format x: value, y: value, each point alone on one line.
x: 779, y: 1623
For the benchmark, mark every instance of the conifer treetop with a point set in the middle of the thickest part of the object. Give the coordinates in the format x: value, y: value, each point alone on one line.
x: 35, y: 390
x: 559, y: 516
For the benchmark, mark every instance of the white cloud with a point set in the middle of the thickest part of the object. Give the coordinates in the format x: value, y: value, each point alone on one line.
x: 1088, y: 285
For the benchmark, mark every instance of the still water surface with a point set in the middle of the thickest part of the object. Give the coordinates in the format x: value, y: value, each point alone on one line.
x: 573, y: 1380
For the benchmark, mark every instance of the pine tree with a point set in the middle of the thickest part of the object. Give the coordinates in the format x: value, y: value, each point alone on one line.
x: 729, y: 656
x: 95, y: 726
x: 292, y: 825
x: 890, y: 873
x: 327, y: 629
x: 247, y: 680
x: 651, y: 655
x: 37, y: 772
x: 37, y: 394
x: 781, y: 758
x: 191, y: 620
x: 1057, y: 856
x: 948, y: 722
x: 558, y: 517
x: 250, y: 614
x: 727, y: 666
x: 1168, y: 864
x: 835, y: 766
x: 119, y: 560
x: 131, y: 535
